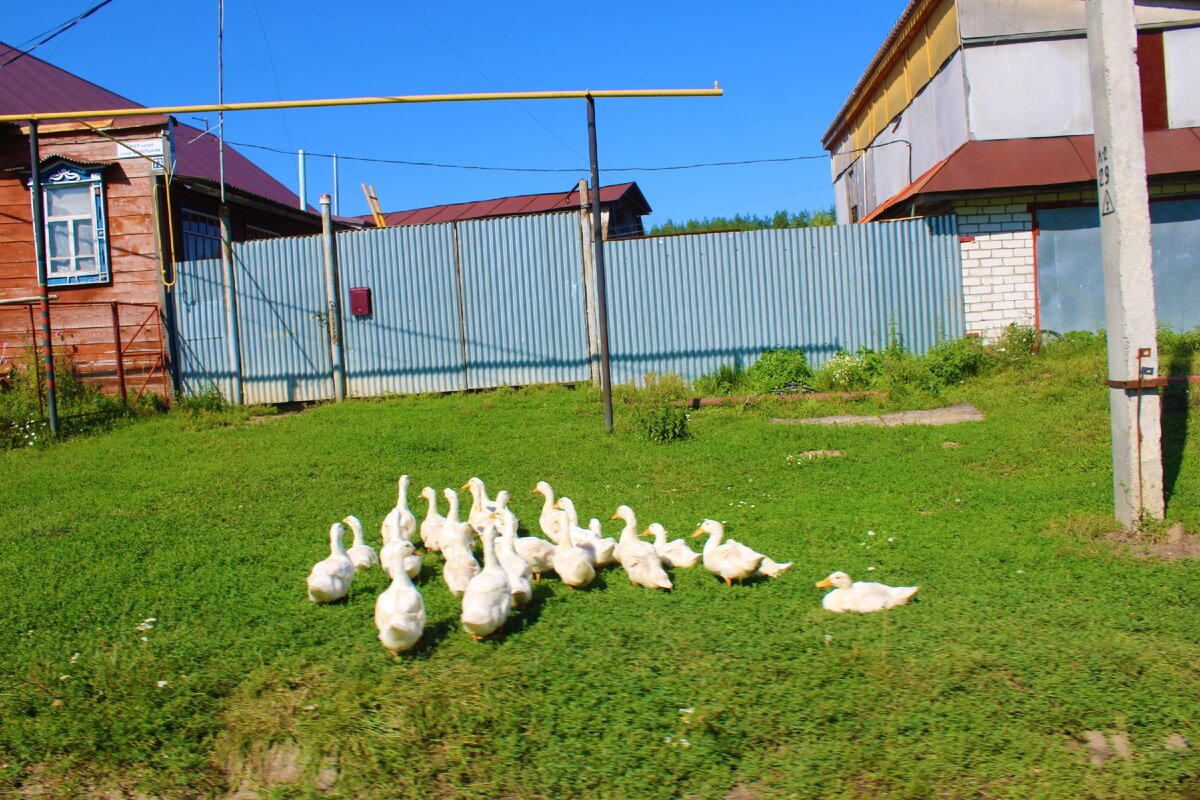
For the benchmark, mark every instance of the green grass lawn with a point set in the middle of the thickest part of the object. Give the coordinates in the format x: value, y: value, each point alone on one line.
x: 1030, y: 628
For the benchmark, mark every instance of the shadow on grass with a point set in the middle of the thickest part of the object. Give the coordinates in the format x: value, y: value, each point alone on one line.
x: 1175, y: 415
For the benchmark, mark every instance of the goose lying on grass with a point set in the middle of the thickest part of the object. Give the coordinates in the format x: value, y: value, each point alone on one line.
x: 731, y: 560
x: 361, y: 554
x: 488, y: 596
x: 330, y: 579
x: 400, y: 609
x: 431, y: 526
x: 862, y: 596
x: 400, y: 520
x: 675, y: 553
x: 641, y: 562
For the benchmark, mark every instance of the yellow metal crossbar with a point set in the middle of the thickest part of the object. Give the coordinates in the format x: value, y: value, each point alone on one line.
x: 716, y: 91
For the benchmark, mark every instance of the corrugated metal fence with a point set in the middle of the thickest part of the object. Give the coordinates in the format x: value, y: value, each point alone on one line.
x: 506, y: 302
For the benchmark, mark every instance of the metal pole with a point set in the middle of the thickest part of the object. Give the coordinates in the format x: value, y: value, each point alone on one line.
x: 116, y: 325
x: 336, y: 206
x: 303, y: 184
x: 232, y: 341
x: 333, y: 305
x: 39, y: 248
x: 601, y: 283
x: 220, y: 96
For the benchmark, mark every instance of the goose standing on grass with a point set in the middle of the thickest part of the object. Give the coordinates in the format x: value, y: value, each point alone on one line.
x: 454, y: 532
x: 573, y: 565
x: 330, y: 579
x: 862, y: 596
x: 731, y: 560
x: 431, y: 526
x: 503, y: 512
x: 598, y: 551
x: 675, y: 553
x: 361, y: 554
x: 515, y: 567
x: 400, y: 521
x: 397, y: 551
x: 552, y: 517
x: 400, y: 609
x: 488, y: 596
x: 605, y: 546
x: 460, y: 566
x: 481, y: 506
x: 641, y: 562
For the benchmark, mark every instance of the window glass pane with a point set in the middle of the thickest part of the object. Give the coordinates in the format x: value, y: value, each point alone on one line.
x: 59, y: 240
x: 62, y: 201
x: 85, y: 265
x: 85, y: 243
x: 60, y: 265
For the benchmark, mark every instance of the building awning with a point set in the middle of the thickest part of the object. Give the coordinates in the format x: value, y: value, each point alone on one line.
x: 1031, y: 163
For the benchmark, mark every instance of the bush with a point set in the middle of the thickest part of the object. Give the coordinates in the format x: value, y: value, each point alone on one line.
x: 1016, y: 344
x: 208, y: 400
x: 847, y: 372
x: 779, y: 371
x: 727, y: 379
x: 951, y: 361
x: 654, y: 412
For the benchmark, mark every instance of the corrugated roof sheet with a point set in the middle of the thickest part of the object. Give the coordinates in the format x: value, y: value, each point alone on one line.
x: 512, y: 206
x: 32, y: 85
x: 1021, y: 163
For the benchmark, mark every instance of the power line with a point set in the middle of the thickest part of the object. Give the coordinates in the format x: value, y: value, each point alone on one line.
x: 485, y: 168
x: 57, y: 31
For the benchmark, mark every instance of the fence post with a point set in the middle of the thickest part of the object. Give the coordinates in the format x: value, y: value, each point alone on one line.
x: 590, y: 312
x: 233, y: 344
x: 116, y: 323
x: 333, y: 302
x: 39, y: 249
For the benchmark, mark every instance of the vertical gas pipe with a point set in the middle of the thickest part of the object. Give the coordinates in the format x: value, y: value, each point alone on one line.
x: 39, y: 249
x: 303, y: 183
x: 333, y: 310
x: 601, y: 283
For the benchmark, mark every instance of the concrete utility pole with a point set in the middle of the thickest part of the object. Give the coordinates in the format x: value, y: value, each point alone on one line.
x: 1128, y: 280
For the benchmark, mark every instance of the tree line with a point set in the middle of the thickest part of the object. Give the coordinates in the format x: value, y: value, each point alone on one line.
x: 748, y: 222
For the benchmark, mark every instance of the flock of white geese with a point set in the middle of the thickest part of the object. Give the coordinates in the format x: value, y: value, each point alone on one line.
x: 511, y: 562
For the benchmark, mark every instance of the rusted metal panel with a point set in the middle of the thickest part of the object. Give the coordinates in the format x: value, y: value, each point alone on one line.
x: 689, y: 304
x: 411, y: 341
x: 523, y: 297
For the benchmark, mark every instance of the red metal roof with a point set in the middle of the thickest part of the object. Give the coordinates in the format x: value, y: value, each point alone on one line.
x: 32, y: 85
x: 509, y: 206
x: 1030, y: 163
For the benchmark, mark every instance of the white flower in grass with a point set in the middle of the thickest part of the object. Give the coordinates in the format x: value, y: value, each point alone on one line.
x: 891, y: 538
x: 684, y: 743
x: 161, y: 684
x: 74, y: 658
x: 870, y: 569
x: 144, y: 638
x: 870, y: 533
x: 64, y: 677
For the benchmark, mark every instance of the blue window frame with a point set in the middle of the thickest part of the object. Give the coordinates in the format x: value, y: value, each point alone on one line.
x: 76, y: 228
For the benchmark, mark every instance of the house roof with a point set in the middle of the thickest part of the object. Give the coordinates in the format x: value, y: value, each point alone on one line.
x: 1021, y: 163
x: 881, y: 54
x: 510, y: 206
x: 31, y: 85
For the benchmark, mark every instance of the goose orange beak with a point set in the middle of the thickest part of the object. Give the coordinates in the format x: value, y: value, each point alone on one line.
x: 615, y: 516
x: 825, y: 584
x: 647, y: 532
x: 699, y: 532
x: 466, y: 485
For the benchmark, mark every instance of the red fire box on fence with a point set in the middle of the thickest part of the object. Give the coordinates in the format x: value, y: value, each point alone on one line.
x: 360, y: 301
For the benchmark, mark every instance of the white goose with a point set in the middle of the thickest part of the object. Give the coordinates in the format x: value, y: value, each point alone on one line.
x: 551, y: 517
x: 675, y: 553
x: 515, y: 567
x: 400, y: 609
x: 641, y: 562
x: 330, y: 578
x: 771, y: 568
x: 599, y: 551
x: 732, y: 560
x: 454, y: 532
x: 862, y: 596
x: 431, y: 526
x: 481, y: 506
x: 573, y: 565
x: 361, y: 554
x: 488, y: 596
x: 400, y: 521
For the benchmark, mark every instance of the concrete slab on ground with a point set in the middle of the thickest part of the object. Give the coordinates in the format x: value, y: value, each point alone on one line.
x: 950, y: 415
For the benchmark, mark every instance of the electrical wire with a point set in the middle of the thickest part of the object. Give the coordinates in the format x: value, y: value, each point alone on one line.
x: 57, y: 31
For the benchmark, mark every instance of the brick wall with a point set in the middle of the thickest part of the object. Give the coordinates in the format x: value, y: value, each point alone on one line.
x: 997, y: 244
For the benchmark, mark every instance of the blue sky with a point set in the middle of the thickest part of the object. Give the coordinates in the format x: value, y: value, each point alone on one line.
x: 786, y: 68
